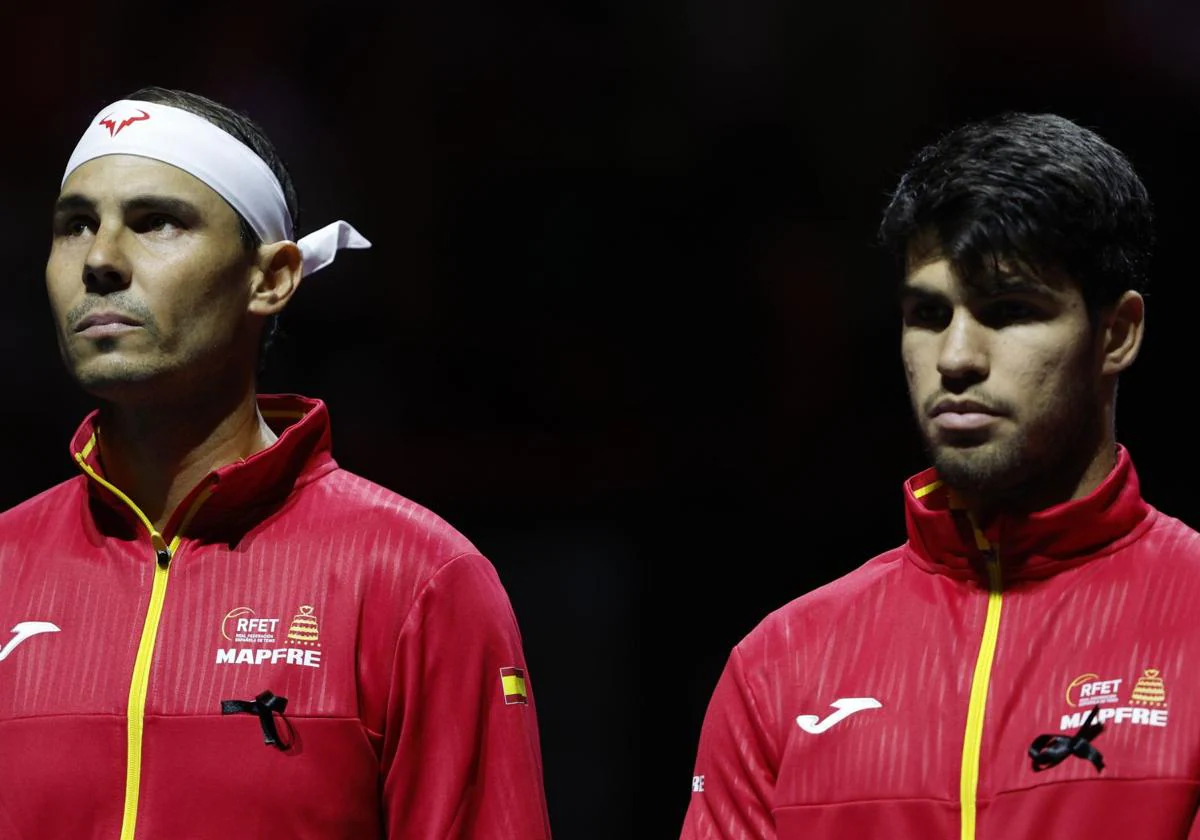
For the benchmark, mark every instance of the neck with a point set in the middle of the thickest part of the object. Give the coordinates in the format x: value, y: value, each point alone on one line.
x: 156, y: 454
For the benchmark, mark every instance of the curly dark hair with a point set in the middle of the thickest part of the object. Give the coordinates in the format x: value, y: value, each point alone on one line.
x: 1035, y: 189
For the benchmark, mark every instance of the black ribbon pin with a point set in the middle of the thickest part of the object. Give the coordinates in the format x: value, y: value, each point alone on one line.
x: 1048, y: 750
x: 265, y: 706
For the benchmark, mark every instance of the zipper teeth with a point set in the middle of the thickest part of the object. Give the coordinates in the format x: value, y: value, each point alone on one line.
x: 140, y: 685
x: 140, y: 681
x: 135, y: 711
x: 973, y: 737
x: 137, y: 701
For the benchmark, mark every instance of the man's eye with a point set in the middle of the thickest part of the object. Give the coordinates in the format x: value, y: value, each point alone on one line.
x: 159, y: 222
x: 1010, y: 312
x: 156, y: 223
x: 73, y: 226
x: 926, y: 315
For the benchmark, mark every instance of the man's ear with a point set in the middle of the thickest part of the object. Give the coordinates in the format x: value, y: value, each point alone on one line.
x: 275, y: 277
x: 1123, y: 326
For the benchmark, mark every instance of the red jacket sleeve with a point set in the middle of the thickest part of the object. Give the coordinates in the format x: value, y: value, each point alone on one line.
x: 734, y: 779
x: 461, y: 754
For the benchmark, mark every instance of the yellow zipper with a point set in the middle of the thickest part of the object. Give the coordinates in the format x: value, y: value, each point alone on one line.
x: 136, y: 709
x: 137, y: 700
x: 973, y: 738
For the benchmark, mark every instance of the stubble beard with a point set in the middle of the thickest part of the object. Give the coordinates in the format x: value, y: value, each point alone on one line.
x: 104, y: 373
x: 108, y: 370
x: 1037, y: 462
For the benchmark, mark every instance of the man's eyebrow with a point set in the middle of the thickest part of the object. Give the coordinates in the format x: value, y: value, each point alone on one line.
x: 909, y: 292
x: 983, y: 287
x: 1015, y: 282
x: 162, y: 204
x: 74, y: 202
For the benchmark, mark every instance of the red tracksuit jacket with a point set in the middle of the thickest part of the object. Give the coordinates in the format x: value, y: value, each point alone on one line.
x: 902, y: 700
x: 134, y: 665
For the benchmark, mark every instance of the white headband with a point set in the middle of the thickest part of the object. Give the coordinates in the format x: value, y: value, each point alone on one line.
x: 231, y: 168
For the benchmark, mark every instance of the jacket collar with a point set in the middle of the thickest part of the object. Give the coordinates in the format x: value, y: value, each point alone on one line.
x: 232, y: 498
x: 1037, y: 545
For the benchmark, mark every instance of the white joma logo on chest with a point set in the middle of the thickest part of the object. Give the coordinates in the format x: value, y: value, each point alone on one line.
x: 845, y: 706
x: 23, y: 631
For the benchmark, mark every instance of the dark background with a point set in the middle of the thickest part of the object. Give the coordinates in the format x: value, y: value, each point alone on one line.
x: 623, y: 324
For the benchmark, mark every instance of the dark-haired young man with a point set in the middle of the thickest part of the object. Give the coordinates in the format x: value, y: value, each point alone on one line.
x: 1024, y: 666
x: 216, y: 631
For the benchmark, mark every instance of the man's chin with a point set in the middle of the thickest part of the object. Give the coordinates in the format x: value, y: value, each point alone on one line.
x: 985, y: 466
x: 116, y: 383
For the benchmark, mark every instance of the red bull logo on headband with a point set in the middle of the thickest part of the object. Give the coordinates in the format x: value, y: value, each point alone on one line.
x: 114, y: 128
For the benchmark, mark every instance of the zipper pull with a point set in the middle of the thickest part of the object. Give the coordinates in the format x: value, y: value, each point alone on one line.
x: 161, y: 551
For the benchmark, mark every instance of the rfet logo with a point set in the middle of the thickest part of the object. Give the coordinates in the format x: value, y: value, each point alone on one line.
x: 1146, y: 703
x: 255, y: 640
x: 1091, y: 690
x: 114, y: 127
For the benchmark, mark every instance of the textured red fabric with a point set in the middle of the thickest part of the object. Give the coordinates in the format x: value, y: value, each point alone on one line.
x: 1096, y: 591
x: 384, y: 628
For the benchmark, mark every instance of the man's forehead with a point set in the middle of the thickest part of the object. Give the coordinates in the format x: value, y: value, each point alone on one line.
x: 990, y: 276
x: 120, y: 176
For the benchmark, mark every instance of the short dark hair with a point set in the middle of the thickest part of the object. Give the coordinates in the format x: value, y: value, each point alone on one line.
x: 250, y: 133
x: 1037, y: 189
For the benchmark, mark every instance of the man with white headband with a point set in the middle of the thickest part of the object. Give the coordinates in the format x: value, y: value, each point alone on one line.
x: 216, y: 631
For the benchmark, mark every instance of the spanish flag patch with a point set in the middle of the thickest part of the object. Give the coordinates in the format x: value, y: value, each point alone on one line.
x: 512, y: 681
